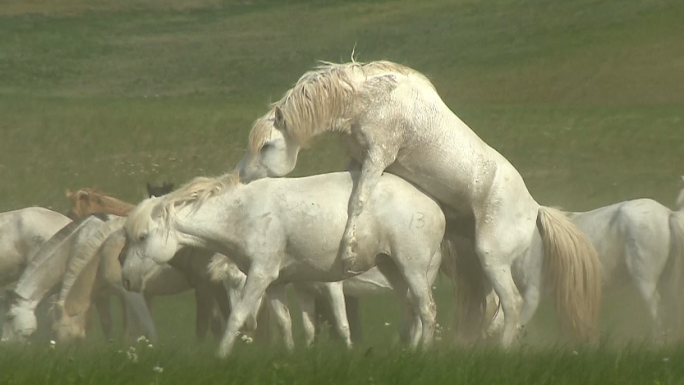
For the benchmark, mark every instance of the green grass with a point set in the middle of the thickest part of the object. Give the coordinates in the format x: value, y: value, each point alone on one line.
x: 336, y: 366
x: 585, y: 97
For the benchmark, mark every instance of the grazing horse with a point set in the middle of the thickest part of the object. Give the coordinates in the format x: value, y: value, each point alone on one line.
x: 185, y: 271
x: 288, y: 230
x: 22, y: 233
x: 639, y: 242
x: 390, y: 117
x: 45, y: 272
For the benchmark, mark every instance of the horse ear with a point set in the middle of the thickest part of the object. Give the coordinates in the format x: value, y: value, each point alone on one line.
x: 279, y: 121
x: 157, y: 211
x: 69, y: 193
x: 82, y: 195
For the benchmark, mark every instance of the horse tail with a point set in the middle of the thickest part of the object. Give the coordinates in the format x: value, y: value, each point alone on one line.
x: 572, y: 266
x: 462, y: 266
x: 676, y: 284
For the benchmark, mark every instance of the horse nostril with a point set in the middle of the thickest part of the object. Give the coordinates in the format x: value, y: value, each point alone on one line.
x: 127, y: 284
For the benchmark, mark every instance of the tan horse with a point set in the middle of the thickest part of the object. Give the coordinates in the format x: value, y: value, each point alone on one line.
x: 189, y: 266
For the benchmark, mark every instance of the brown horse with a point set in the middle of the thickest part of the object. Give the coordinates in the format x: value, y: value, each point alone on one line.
x: 210, y: 297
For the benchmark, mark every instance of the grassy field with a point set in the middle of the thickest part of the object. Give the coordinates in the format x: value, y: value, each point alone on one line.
x: 585, y: 97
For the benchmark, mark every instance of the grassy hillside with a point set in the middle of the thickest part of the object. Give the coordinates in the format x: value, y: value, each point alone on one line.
x: 585, y: 97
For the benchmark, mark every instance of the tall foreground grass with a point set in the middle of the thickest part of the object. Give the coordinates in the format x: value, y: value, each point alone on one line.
x: 328, y: 364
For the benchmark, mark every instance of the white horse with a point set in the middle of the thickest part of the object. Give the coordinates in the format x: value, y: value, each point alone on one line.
x: 390, y: 117
x: 288, y: 230
x: 22, y: 233
x: 46, y: 271
x: 365, y: 284
x: 639, y: 242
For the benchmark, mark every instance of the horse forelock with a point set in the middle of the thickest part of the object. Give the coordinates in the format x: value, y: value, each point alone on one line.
x: 261, y: 131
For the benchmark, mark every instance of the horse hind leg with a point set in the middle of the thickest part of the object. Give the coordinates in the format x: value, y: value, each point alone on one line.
x: 335, y: 294
x: 413, y: 291
x: 277, y: 298
x: 308, y: 308
x: 501, y: 279
x: 649, y: 294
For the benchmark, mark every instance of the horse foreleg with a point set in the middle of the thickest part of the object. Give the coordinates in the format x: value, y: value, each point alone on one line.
x: 371, y: 171
x: 277, y: 298
x: 255, y: 287
x: 307, y: 306
x: 105, y: 314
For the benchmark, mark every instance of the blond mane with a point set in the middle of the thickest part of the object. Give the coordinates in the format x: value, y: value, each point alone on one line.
x: 195, y: 192
x: 323, y: 98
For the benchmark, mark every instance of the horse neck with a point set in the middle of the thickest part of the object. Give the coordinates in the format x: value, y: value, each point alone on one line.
x: 207, y: 224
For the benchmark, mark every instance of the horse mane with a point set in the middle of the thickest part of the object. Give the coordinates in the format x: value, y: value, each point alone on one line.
x: 323, y: 97
x: 106, y: 202
x: 195, y: 192
x: 27, y: 282
x: 86, y: 253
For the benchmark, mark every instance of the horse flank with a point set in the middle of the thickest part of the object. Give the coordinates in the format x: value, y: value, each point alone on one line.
x: 323, y: 97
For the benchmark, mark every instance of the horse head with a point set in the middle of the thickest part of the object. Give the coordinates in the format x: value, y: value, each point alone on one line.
x: 272, y: 151
x: 149, y: 242
x: 66, y: 328
x: 20, y: 321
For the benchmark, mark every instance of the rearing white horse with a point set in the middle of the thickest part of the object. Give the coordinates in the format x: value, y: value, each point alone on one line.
x: 390, y: 117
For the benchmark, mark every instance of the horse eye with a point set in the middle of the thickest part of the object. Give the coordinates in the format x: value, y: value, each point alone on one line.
x: 266, y: 146
x: 142, y: 237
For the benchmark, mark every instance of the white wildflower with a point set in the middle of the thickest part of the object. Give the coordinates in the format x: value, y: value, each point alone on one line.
x: 666, y: 359
x: 132, y: 355
x: 387, y: 324
x: 158, y: 369
x: 142, y: 339
x: 52, y: 344
x: 246, y: 339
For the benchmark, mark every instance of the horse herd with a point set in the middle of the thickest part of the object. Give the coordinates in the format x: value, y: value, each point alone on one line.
x: 423, y: 194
